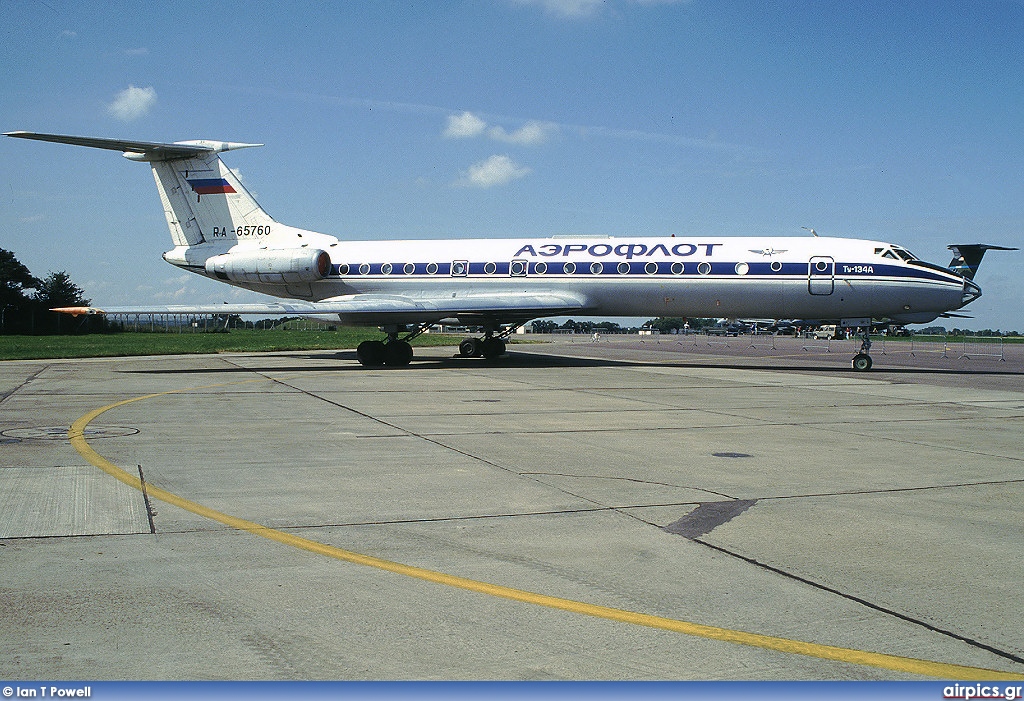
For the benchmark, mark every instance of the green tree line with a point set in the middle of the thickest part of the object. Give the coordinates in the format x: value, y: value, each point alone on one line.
x: 26, y: 300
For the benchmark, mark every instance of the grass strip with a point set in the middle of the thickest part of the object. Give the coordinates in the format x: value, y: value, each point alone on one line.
x: 173, y: 343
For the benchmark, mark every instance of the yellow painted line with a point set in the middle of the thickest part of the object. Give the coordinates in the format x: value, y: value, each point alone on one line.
x: 76, y: 435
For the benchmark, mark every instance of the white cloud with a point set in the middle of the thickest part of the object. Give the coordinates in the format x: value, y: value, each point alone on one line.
x: 468, y: 126
x: 579, y: 9
x: 175, y: 289
x: 132, y: 103
x: 567, y: 8
x: 529, y: 134
x: 464, y: 126
x: 237, y: 172
x: 496, y: 170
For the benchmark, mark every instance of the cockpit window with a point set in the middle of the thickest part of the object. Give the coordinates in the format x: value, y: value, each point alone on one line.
x: 904, y: 253
x: 895, y: 253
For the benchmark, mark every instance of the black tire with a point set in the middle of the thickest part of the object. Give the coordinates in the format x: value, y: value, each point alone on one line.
x: 371, y: 353
x: 862, y: 362
x: 469, y: 348
x: 397, y: 353
x: 492, y: 348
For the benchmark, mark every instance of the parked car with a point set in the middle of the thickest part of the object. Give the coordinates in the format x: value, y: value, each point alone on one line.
x: 783, y: 328
x: 733, y: 329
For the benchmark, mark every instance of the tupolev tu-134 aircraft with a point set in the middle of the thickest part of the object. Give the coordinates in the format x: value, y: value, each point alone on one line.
x: 403, y: 287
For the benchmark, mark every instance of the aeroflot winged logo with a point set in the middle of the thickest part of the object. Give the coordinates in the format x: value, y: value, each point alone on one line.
x: 211, y: 186
x: 629, y: 250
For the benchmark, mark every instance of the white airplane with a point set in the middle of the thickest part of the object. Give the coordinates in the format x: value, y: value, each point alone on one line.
x: 404, y: 287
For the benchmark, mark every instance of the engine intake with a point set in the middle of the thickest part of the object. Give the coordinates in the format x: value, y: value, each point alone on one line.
x: 279, y: 267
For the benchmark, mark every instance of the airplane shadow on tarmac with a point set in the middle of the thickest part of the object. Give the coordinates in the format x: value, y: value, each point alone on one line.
x: 349, y: 363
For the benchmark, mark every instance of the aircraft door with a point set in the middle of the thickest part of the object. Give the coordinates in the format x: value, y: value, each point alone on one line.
x: 821, y: 272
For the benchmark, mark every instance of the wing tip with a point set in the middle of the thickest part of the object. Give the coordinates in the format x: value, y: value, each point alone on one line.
x: 78, y: 311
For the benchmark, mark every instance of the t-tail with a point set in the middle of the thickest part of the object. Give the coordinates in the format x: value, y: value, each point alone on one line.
x: 218, y: 229
x: 204, y: 201
x: 967, y: 257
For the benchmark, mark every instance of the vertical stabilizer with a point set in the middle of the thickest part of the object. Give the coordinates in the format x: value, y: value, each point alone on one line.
x: 205, y: 202
x: 202, y: 199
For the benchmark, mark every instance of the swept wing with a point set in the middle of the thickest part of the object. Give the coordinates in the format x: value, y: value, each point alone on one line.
x: 375, y: 309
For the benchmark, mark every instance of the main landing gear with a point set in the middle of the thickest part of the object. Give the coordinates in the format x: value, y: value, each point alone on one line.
x: 862, y: 361
x: 491, y: 346
x: 397, y: 352
x: 486, y: 347
x: 394, y: 352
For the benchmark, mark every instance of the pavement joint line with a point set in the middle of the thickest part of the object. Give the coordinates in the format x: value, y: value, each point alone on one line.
x: 908, y: 665
x: 863, y: 602
x: 423, y: 437
x: 7, y: 395
x: 403, y: 431
x: 924, y: 444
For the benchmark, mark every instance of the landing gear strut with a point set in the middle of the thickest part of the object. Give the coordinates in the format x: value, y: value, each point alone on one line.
x: 862, y: 361
x: 491, y: 346
x: 394, y: 352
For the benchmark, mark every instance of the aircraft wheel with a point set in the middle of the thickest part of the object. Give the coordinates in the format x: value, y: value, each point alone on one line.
x: 469, y: 348
x: 861, y: 362
x: 371, y: 353
x: 492, y: 348
x: 397, y: 353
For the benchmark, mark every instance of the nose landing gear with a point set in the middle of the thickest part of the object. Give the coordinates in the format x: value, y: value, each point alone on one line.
x: 862, y: 361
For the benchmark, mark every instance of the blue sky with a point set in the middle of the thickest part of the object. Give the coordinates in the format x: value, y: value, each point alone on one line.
x: 499, y: 118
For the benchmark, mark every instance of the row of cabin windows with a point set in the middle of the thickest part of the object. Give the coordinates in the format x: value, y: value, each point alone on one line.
x: 519, y: 268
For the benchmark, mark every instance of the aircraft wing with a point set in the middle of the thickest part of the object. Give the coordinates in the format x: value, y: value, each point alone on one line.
x: 377, y: 310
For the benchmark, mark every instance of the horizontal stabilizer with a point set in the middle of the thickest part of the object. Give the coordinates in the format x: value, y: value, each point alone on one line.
x: 138, y: 150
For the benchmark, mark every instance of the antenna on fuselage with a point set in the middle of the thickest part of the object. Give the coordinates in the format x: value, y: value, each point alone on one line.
x: 813, y: 232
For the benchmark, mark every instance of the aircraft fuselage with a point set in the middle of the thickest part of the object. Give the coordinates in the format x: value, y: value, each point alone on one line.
x: 807, y: 278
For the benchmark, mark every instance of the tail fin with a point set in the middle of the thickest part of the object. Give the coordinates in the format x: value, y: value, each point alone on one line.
x: 967, y: 257
x: 202, y: 199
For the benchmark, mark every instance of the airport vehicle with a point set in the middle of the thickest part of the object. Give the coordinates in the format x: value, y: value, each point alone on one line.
x: 827, y: 331
x: 725, y: 329
x: 497, y: 285
x: 783, y: 328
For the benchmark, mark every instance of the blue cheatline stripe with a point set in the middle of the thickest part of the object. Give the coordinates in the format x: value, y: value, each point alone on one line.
x: 610, y: 268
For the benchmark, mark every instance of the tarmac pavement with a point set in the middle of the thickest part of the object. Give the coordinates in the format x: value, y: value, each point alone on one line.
x: 623, y: 509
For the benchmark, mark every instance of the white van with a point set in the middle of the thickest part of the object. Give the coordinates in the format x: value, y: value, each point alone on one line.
x: 828, y: 331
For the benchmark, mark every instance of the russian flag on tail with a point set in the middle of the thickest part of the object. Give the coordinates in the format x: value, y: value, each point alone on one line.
x: 211, y: 186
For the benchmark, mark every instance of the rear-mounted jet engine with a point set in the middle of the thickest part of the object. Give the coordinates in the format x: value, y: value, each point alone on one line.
x: 271, y: 266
